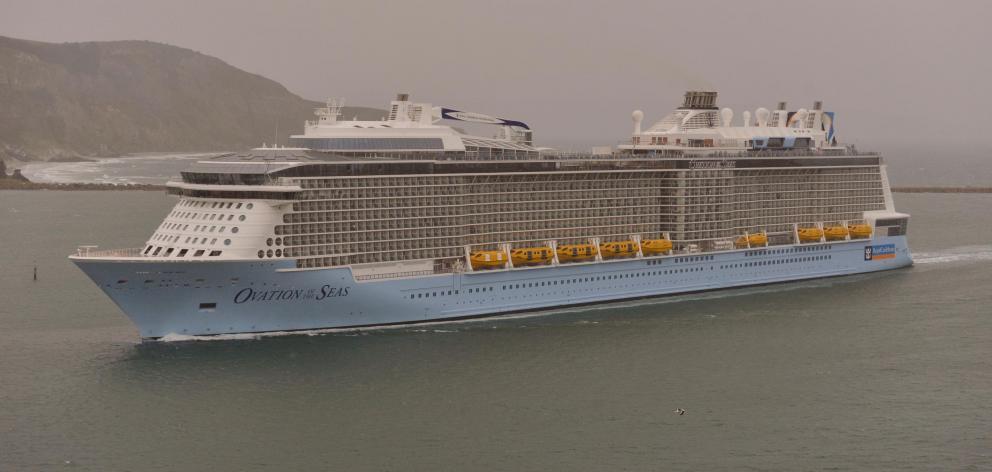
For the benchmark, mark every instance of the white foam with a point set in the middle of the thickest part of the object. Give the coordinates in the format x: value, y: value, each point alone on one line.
x: 100, y: 169
x: 957, y: 254
x: 175, y: 337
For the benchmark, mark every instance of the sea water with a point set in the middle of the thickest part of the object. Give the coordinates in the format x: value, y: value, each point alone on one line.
x: 888, y: 371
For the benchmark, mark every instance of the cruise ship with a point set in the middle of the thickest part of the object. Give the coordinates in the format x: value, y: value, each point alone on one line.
x: 408, y: 220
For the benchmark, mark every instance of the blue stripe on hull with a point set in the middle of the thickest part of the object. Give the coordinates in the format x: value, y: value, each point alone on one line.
x: 205, y: 298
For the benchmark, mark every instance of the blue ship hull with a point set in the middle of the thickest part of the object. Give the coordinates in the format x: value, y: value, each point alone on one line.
x: 209, y: 298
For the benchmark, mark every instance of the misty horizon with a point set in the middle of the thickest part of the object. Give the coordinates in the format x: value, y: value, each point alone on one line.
x: 576, y: 74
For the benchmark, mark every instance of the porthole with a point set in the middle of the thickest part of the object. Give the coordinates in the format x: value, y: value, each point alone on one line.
x: 278, y: 241
x: 234, y: 229
x: 227, y: 242
x: 212, y: 228
x: 214, y: 241
x: 261, y: 253
x: 278, y: 252
x: 268, y: 242
x: 239, y: 205
x: 222, y: 229
x: 241, y: 218
x: 249, y: 206
x: 268, y: 253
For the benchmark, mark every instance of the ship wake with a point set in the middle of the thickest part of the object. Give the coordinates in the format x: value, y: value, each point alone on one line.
x: 957, y: 254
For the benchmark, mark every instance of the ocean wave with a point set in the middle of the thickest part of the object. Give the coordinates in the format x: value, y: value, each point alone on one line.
x: 418, y: 327
x: 154, y: 168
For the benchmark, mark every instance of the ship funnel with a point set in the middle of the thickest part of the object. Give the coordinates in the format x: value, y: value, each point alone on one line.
x: 638, y: 117
x: 402, y: 97
x: 747, y: 118
x: 781, y: 106
x: 818, y: 105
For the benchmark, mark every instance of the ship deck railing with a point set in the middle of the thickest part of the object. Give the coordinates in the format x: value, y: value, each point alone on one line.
x: 395, y: 275
x: 634, y: 153
x: 92, y: 251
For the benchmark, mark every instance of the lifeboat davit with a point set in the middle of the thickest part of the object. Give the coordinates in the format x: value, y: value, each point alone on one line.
x: 616, y: 249
x: 655, y: 246
x: 576, y: 252
x: 808, y: 235
x: 487, y: 259
x: 527, y: 256
x: 756, y: 239
x: 859, y: 231
x: 835, y: 233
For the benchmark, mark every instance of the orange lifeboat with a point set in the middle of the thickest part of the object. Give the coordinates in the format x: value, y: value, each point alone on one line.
x: 576, y: 252
x: 756, y: 239
x: 809, y: 235
x: 650, y: 247
x: 861, y: 231
x: 487, y: 259
x: 616, y: 249
x: 528, y: 256
x: 835, y: 233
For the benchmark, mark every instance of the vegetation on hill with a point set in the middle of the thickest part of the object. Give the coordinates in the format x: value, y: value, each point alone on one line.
x: 110, y: 98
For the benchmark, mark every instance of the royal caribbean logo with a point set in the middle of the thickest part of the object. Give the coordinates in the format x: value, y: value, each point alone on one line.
x: 880, y: 251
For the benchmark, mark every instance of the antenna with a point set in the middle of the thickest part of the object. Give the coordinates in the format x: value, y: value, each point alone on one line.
x: 276, y: 141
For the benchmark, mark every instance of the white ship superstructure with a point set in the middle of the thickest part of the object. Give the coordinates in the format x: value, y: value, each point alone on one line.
x: 413, y: 130
x: 332, y: 236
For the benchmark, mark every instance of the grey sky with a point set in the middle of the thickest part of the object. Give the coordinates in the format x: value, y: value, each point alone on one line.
x: 575, y: 70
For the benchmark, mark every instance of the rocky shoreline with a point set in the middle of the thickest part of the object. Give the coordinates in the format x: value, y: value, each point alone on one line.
x: 18, y: 181
x: 12, y: 184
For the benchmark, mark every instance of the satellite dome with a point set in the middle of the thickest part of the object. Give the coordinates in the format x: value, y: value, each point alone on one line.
x: 726, y: 115
x: 762, y: 114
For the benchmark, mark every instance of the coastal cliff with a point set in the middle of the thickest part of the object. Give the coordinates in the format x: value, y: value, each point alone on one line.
x: 64, y: 101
